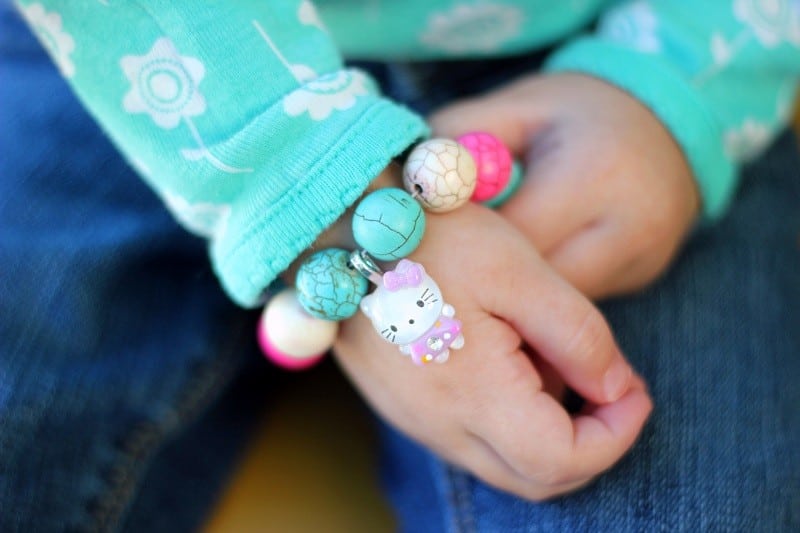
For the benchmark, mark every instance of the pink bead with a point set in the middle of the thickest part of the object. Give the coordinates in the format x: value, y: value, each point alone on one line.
x: 291, y: 338
x: 289, y: 362
x: 493, y: 161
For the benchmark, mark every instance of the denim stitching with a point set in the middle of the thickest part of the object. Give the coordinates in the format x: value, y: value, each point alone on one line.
x: 461, y: 499
x: 106, y: 512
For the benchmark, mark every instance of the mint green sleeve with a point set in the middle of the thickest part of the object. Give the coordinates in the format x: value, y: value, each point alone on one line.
x: 240, y: 115
x: 721, y: 75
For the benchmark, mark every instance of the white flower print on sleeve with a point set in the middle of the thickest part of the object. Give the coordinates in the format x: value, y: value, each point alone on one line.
x: 203, y: 219
x: 299, y: 71
x: 634, y: 25
x: 329, y: 92
x: 318, y: 95
x: 772, y: 21
x: 475, y: 27
x: 164, y: 84
x: 746, y: 141
x: 307, y: 15
x: 48, y: 28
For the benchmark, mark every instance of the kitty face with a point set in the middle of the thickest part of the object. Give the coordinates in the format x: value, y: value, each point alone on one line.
x: 404, y: 314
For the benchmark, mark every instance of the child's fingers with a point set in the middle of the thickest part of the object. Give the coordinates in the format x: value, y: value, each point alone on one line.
x: 552, y: 203
x: 548, y: 209
x: 603, y: 436
x: 514, y: 442
x: 484, y: 461
x: 551, y: 451
x: 561, y: 325
x: 555, y: 200
x: 501, y: 119
x: 590, y: 258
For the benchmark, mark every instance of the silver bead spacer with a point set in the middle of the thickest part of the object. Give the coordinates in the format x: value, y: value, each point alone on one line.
x: 365, y: 265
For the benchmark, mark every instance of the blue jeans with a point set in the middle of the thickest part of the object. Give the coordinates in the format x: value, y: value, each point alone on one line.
x: 127, y: 380
x: 116, y: 343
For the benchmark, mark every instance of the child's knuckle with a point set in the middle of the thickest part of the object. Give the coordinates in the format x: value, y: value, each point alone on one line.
x: 591, y: 339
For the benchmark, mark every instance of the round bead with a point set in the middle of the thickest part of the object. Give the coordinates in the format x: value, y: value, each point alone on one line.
x: 493, y: 163
x: 388, y: 224
x: 514, y: 181
x: 291, y: 338
x: 441, y: 174
x: 327, y: 287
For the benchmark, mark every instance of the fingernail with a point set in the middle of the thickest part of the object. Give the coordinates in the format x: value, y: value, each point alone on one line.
x: 616, y: 380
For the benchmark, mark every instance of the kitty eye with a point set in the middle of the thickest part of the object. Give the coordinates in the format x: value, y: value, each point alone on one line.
x: 393, y: 328
x: 411, y: 321
x: 420, y: 303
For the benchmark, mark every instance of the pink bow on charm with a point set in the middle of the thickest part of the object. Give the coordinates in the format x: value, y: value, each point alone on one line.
x: 406, y: 274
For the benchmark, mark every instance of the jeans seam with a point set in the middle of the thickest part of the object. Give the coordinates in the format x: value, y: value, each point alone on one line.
x: 460, y: 497
x: 139, y: 444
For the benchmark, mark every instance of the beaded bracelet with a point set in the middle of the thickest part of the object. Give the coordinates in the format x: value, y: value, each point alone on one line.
x: 299, y: 325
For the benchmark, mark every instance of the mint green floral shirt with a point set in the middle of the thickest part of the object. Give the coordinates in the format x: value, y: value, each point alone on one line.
x: 243, y: 119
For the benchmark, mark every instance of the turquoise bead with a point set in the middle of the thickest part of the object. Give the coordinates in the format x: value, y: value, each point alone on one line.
x: 388, y: 224
x: 514, y: 181
x: 327, y: 287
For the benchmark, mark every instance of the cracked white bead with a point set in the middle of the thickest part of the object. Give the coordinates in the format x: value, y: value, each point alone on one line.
x: 440, y: 174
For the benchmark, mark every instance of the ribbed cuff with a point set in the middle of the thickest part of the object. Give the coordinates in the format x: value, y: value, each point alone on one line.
x: 275, y: 233
x: 664, y: 90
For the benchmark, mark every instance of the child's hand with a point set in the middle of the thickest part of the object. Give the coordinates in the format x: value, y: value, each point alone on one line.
x: 608, y: 196
x: 485, y: 409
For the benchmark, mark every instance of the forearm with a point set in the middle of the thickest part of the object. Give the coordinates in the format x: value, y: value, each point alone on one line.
x: 340, y: 233
x: 257, y: 146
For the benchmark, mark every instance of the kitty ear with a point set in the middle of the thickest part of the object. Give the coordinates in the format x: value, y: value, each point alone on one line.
x: 366, y: 305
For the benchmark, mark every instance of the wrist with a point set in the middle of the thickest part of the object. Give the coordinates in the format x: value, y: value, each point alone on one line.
x: 406, y: 307
x: 340, y: 233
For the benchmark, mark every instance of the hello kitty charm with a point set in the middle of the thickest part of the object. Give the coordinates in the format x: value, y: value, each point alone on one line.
x: 407, y: 309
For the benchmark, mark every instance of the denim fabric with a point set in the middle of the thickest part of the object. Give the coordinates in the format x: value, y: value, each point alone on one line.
x: 116, y: 342
x: 718, y: 342
x: 114, y: 333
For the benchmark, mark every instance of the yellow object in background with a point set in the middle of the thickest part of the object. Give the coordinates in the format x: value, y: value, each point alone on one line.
x: 310, y: 467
